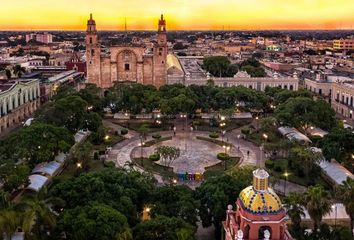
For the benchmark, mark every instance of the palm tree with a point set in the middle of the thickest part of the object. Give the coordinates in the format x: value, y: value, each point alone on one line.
x: 37, y: 214
x: 9, y: 222
x: 295, y: 210
x: 318, y: 204
x: 346, y: 195
x: 19, y: 70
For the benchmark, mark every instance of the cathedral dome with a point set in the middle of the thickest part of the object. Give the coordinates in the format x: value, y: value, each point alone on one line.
x: 259, y: 198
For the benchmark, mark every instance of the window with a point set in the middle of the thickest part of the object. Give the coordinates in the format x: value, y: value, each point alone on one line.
x: 291, y: 87
x: 90, y: 40
x: 126, y: 67
x: 92, y: 52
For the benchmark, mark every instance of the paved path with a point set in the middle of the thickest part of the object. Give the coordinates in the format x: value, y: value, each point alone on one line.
x: 250, y: 153
x: 195, y: 155
x: 280, y: 186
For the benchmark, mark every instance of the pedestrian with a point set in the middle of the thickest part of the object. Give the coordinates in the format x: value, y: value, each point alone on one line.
x: 248, y: 153
x: 174, y: 131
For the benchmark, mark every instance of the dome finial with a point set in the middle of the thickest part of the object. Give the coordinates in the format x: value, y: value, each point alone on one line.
x: 260, y: 179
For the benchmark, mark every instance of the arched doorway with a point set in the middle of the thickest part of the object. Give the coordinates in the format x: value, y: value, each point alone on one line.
x: 262, y: 230
x: 246, y: 232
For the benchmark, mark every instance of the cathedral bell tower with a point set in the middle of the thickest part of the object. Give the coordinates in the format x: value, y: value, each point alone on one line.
x: 160, y: 55
x: 93, y: 53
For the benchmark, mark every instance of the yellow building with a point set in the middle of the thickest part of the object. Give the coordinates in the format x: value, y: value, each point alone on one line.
x: 343, y: 44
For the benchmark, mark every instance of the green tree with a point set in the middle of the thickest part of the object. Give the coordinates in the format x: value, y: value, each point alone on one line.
x: 345, y: 193
x: 338, y: 144
x: 306, y: 160
x: 37, y: 217
x: 164, y: 228
x: 168, y: 154
x: 15, y: 176
x: 38, y: 143
x: 216, y: 193
x: 294, y: 206
x: 95, y: 221
x: 175, y: 201
x: 9, y: 222
x: 219, y: 66
x: 303, y: 112
x: 18, y: 70
x: 317, y: 204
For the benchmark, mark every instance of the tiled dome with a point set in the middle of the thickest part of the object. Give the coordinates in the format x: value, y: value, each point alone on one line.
x: 259, y: 198
x: 260, y: 202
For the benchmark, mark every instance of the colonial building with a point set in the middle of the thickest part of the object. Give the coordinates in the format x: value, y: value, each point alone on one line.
x: 18, y: 100
x: 126, y: 63
x: 259, y: 213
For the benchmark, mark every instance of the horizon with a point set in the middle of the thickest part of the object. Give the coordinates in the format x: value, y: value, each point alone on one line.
x: 181, y: 15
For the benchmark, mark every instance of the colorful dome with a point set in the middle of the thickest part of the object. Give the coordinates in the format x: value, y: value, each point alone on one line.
x: 259, y: 198
x: 260, y: 202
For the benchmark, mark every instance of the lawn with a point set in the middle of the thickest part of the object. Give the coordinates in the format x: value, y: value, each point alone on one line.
x: 220, y: 167
x: 214, y: 140
x: 152, y: 167
x: 71, y: 169
x: 281, y: 166
x: 231, y: 125
x: 136, y: 125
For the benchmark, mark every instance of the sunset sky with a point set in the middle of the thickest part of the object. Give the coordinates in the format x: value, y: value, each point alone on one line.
x: 180, y: 14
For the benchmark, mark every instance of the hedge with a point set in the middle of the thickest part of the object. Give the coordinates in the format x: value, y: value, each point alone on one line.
x: 223, y: 156
x: 213, y: 135
x: 156, y: 136
x: 269, y: 164
x: 154, y: 157
x: 124, y: 131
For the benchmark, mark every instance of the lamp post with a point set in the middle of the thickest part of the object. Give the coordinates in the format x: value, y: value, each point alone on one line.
x: 334, y: 207
x: 286, y: 174
x: 141, y: 145
x: 226, y: 149
x: 184, y: 130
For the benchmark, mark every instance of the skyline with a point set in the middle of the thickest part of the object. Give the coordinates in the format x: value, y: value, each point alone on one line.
x: 180, y: 14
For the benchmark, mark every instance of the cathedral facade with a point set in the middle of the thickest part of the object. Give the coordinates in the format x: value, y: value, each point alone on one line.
x: 126, y: 63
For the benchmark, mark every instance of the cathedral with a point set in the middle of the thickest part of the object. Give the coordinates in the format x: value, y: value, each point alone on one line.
x: 126, y: 63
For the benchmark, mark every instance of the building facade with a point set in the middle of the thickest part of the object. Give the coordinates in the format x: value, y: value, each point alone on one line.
x: 340, y: 94
x: 343, y: 44
x: 126, y: 63
x: 259, y: 213
x: 18, y: 100
x: 40, y: 37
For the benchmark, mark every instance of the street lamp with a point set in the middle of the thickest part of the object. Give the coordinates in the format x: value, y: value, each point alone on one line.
x: 265, y: 136
x: 226, y: 149
x: 334, y: 207
x: 141, y: 145
x: 184, y: 130
x: 286, y: 174
x: 79, y: 165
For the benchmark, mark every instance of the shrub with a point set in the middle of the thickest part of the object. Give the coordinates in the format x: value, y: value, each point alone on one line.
x: 109, y: 164
x: 213, y: 135
x: 156, y: 136
x: 154, y: 157
x: 124, y: 131
x: 223, y: 156
x: 197, y: 123
x: 245, y: 131
x: 269, y: 164
x: 278, y: 169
